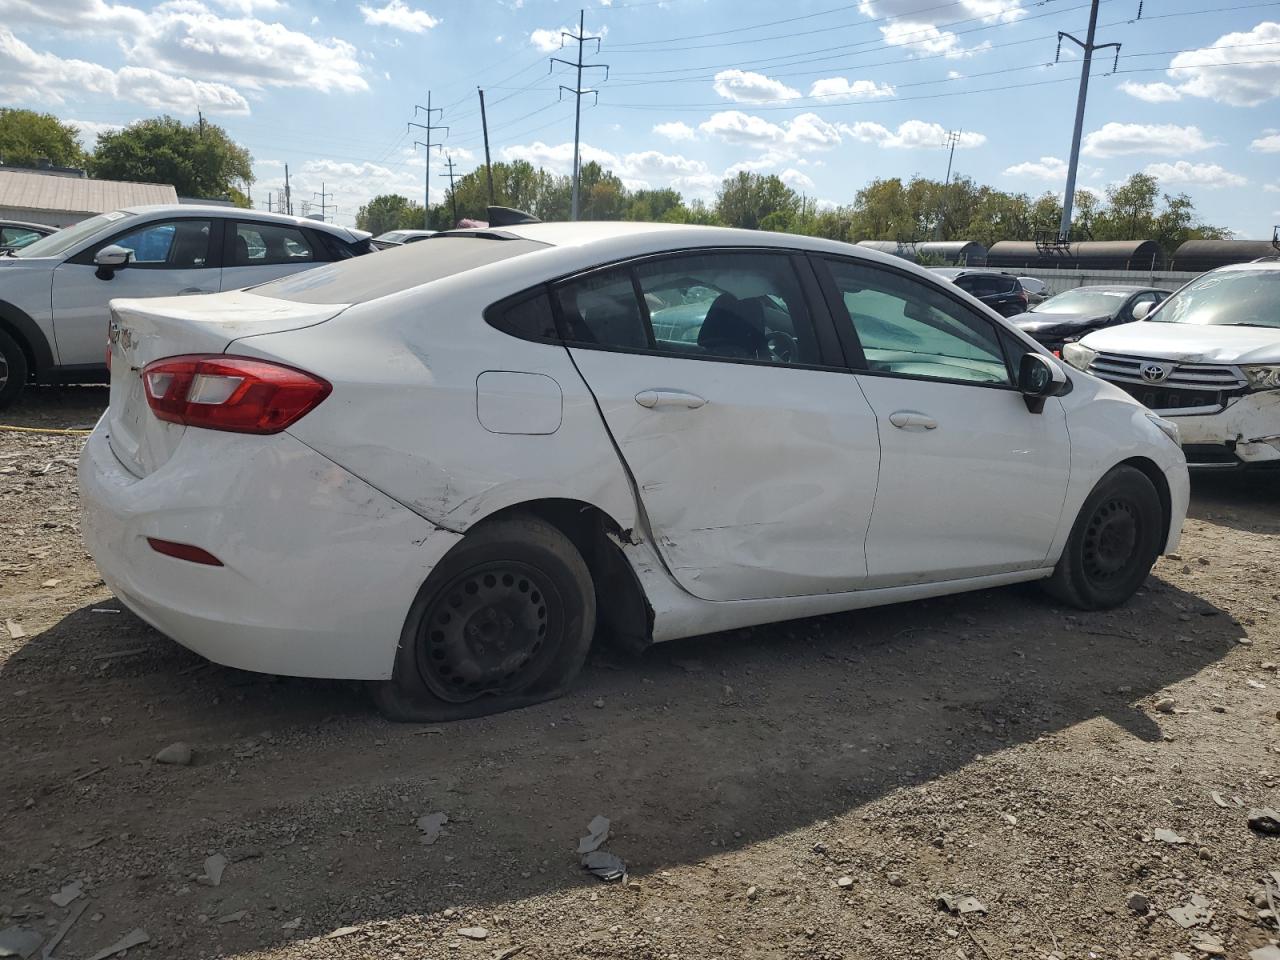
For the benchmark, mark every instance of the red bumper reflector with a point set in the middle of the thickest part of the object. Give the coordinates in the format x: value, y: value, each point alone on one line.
x: 183, y: 551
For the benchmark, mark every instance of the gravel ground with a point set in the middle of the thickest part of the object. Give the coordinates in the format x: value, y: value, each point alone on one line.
x: 801, y: 790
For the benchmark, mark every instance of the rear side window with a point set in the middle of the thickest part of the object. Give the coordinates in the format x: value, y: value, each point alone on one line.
x: 269, y: 244
x: 602, y: 310
x: 395, y: 270
x: 528, y: 317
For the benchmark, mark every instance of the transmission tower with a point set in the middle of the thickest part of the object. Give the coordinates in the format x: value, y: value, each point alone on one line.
x: 578, y: 93
x: 949, y: 140
x: 324, y: 198
x: 429, y: 127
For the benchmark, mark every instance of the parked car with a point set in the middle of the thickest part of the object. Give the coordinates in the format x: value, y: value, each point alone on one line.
x: 1073, y: 313
x: 1208, y: 359
x: 444, y: 468
x: 1037, y: 290
x: 1002, y: 292
x: 15, y: 234
x: 54, y: 292
x: 398, y: 238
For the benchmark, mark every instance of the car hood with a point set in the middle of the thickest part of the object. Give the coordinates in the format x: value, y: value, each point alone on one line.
x: 1032, y: 322
x: 1189, y: 342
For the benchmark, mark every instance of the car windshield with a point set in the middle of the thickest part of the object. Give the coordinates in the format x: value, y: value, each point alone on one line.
x: 1084, y: 302
x: 1243, y: 298
x: 59, y: 243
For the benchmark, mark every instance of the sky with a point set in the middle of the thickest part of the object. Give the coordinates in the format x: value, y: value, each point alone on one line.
x: 827, y: 95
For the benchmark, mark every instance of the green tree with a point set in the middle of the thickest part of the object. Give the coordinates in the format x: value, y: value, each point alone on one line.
x: 653, y: 206
x: 27, y: 137
x: 390, y: 211
x: 747, y: 199
x: 199, y: 159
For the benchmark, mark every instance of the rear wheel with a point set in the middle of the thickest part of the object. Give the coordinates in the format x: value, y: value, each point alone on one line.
x: 13, y: 369
x: 1113, y: 544
x: 505, y: 620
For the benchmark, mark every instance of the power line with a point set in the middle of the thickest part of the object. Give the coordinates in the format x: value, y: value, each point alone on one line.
x: 578, y: 93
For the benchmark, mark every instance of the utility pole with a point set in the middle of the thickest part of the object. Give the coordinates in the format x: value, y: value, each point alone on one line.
x: 488, y: 167
x: 200, y: 114
x: 453, y: 197
x: 950, y: 140
x: 1064, y: 229
x: 269, y: 207
x: 578, y: 93
x: 287, y: 206
x: 323, y: 197
x: 426, y: 180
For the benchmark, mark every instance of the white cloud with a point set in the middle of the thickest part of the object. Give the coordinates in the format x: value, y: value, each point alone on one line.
x: 1272, y: 188
x: 79, y: 80
x: 399, y: 16
x: 72, y: 15
x: 636, y: 169
x: 992, y: 11
x: 89, y: 130
x: 742, y: 86
x: 1267, y: 144
x: 1209, y: 175
x: 796, y: 180
x: 1161, y: 139
x: 1152, y: 92
x: 928, y: 39
x: 675, y: 130
x: 805, y: 132
x: 910, y: 135
x: 841, y: 88
x: 183, y: 35
x: 248, y: 8
x: 1046, y: 168
x: 1239, y: 69
x: 549, y: 40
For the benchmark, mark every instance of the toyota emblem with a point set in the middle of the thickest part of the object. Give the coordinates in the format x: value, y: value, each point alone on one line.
x: 1154, y: 372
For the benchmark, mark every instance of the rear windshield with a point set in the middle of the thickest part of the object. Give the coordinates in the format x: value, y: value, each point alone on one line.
x: 394, y: 270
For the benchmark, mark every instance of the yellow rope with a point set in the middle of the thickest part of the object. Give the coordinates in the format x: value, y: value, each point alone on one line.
x: 67, y: 433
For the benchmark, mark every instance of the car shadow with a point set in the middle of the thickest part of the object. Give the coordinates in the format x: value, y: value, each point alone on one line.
x: 693, y: 748
x: 57, y: 406
x: 1247, y: 501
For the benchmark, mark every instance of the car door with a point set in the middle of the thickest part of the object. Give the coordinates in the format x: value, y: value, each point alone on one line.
x: 176, y: 255
x: 971, y: 482
x: 753, y: 453
x: 258, y: 251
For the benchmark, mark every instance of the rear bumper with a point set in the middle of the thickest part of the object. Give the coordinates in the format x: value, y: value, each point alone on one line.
x: 319, y: 570
x: 1245, y: 433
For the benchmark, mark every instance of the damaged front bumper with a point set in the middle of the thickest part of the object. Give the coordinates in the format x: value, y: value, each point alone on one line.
x: 1245, y: 433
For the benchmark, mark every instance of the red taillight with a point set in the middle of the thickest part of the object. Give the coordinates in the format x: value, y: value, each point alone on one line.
x: 230, y: 393
x: 183, y: 551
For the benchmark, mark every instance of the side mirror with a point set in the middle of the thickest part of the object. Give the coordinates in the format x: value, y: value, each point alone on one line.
x: 1141, y: 310
x: 112, y: 256
x: 1039, y: 378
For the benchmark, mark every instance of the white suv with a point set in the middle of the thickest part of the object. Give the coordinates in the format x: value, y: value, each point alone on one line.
x: 1208, y: 358
x: 54, y: 292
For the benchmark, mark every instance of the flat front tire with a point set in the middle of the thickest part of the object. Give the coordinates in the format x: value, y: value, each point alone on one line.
x: 1113, y: 544
x: 504, y: 621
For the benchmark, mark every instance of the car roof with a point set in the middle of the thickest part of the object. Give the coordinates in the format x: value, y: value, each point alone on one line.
x: 29, y: 226
x: 217, y: 210
x: 1251, y: 265
x: 1117, y: 287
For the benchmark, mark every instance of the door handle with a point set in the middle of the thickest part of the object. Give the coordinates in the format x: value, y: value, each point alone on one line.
x: 911, y: 420
x: 669, y: 398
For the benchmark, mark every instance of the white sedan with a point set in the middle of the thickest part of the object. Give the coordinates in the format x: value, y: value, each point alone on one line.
x: 448, y: 467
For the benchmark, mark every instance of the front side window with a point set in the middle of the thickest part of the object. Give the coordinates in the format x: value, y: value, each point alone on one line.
x: 269, y: 244
x: 171, y: 245
x: 910, y: 329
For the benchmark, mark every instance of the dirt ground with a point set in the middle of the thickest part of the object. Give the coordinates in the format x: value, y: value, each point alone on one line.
x: 802, y: 790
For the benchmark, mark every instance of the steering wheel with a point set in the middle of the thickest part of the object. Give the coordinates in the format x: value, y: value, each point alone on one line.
x: 782, y: 346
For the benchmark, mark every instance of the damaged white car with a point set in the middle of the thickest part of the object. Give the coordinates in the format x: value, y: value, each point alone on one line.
x: 1208, y: 358
x: 447, y: 468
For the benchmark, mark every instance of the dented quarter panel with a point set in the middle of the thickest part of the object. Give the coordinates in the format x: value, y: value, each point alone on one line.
x: 1251, y: 418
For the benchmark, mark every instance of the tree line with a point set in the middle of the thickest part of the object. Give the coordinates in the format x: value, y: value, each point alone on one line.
x: 201, y: 160
x: 198, y: 159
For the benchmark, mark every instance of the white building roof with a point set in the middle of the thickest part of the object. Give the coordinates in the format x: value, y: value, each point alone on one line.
x: 35, y: 191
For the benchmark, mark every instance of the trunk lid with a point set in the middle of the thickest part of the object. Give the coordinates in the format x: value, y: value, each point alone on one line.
x: 145, y: 330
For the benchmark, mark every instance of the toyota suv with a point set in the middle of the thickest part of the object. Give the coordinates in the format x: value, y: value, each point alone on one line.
x: 54, y: 292
x: 1208, y: 359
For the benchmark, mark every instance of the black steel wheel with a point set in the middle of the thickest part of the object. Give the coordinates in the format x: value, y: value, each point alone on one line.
x: 1115, y: 541
x: 505, y: 620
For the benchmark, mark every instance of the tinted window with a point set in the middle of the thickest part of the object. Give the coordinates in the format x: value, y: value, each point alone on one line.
x: 985, y: 285
x: 17, y: 236
x: 910, y: 329
x: 529, y: 317
x: 264, y: 244
x: 739, y: 306
x: 602, y: 310
x: 171, y: 245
